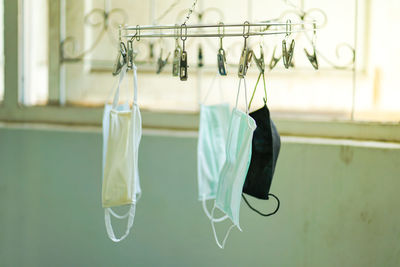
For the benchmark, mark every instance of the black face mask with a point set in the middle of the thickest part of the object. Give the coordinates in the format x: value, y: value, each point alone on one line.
x: 265, y: 150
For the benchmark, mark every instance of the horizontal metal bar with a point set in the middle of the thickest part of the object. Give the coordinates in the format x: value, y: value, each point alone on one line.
x: 174, y: 27
x: 158, y: 35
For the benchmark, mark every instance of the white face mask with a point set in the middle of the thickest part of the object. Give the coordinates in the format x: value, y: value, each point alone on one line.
x: 233, y: 174
x: 122, y: 131
x: 213, y: 130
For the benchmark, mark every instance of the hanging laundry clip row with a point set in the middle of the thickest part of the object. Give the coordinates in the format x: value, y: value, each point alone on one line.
x: 180, y: 56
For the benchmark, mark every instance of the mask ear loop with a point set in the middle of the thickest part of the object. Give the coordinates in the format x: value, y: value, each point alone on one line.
x: 255, y: 88
x: 209, y: 89
x: 263, y: 214
x: 262, y: 73
x: 116, y: 95
x: 223, y: 218
x: 131, y: 216
x: 215, y: 233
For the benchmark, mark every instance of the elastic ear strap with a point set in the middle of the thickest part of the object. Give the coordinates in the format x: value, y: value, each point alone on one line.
x: 209, y: 215
x: 263, y: 214
x: 245, y: 96
x: 265, y: 88
x: 121, y: 77
x: 209, y: 88
x: 221, y: 91
x: 118, y: 216
x: 238, y: 91
x: 215, y: 233
x: 109, y: 228
x: 135, y: 85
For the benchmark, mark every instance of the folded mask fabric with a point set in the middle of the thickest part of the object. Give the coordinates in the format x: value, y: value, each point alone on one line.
x: 233, y: 173
x: 122, y: 130
x: 213, y: 130
x: 266, y: 145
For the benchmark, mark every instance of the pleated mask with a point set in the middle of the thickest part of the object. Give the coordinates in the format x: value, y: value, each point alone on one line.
x: 122, y: 130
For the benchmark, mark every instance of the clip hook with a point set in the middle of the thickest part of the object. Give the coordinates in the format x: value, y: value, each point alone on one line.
x: 162, y: 62
x: 177, y: 53
x: 183, y: 74
x: 137, y: 34
x: 221, y: 56
x: 313, y: 57
x: 247, y: 54
x: 287, y: 55
x: 274, y: 59
x: 121, y: 59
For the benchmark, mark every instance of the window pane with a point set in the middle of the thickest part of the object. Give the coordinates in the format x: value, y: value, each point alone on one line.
x: 1, y: 51
x: 89, y: 47
x: 35, y: 52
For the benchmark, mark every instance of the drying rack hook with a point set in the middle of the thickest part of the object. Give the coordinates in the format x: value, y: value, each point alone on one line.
x: 137, y: 34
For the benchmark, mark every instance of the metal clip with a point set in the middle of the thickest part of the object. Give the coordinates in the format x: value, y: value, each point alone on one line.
x: 176, y: 61
x: 260, y: 61
x: 162, y: 62
x: 177, y: 56
x: 245, y: 59
x: 247, y: 54
x: 130, y: 54
x: 183, y: 66
x: 274, y: 60
x: 221, y: 58
x: 183, y: 75
x: 312, y: 57
x: 121, y: 59
x: 287, y: 55
x: 200, y: 57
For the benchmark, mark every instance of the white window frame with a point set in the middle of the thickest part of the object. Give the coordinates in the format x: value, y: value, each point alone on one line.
x: 54, y: 112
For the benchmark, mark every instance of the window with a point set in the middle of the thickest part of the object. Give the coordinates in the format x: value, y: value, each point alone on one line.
x: 35, y: 71
x: 1, y: 53
x: 69, y: 49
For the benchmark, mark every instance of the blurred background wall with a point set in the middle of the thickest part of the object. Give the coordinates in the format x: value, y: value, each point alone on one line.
x: 339, y: 205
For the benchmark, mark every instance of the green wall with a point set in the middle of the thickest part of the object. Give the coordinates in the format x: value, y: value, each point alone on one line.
x: 340, y: 205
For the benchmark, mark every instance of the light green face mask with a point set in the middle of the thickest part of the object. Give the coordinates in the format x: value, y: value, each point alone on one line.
x: 233, y: 174
x: 213, y: 130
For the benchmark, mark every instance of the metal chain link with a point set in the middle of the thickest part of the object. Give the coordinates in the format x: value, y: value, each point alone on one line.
x: 190, y: 11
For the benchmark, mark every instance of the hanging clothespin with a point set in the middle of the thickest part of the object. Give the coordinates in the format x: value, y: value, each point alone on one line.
x: 312, y: 57
x: 247, y: 54
x: 260, y: 61
x: 274, y: 59
x: 183, y: 66
x: 177, y: 54
x: 287, y: 55
x: 200, y: 57
x: 121, y: 59
x: 131, y: 54
x: 162, y: 62
x: 221, y: 57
